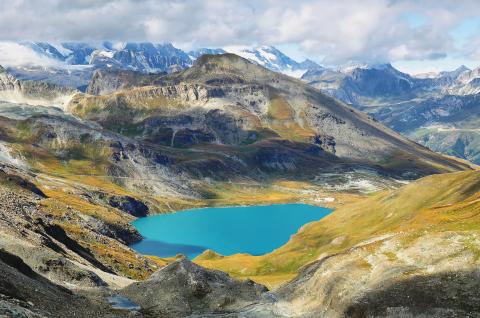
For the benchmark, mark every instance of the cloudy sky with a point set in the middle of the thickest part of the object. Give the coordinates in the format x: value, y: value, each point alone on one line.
x: 416, y: 36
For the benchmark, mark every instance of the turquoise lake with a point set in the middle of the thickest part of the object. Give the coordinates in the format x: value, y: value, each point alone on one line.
x: 254, y: 230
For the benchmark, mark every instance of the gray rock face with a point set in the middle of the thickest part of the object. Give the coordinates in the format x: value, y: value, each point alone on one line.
x: 27, y: 294
x: 338, y: 286
x: 450, y: 294
x: 130, y: 205
x: 144, y: 57
x: 108, y: 81
x: 183, y: 288
x: 21, y: 288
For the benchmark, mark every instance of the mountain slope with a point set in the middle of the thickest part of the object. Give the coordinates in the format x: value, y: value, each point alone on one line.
x: 393, y: 253
x: 367, y: 85
x: 438, y: 111
x: 406, y: 252
x: 426, y: 235
x: 273, y: 59
x: 225, y: 99
x: 144, y: 57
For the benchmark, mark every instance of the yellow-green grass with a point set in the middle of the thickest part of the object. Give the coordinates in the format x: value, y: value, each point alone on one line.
x: 161, y: 261
x: 281, y: 118
x: 86, y: 164
x: 219, y: 194
x: 58, y: 202
x: 431, y: 161
x: 145, y: 98
x: 448, y: 202
x: 82, y: 159
x: 278, y: 191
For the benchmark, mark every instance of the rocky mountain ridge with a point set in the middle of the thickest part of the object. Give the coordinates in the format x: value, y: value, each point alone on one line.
x: 255, y: 102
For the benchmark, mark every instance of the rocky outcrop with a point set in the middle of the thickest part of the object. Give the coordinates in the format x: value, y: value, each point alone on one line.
x: 375, y: 279
x: 326, y: 142
x: 26, y: 294
x: 61, y: 242
x: 6, y: 176
x: 21, y: 288
x: 128, y: 204
x: 106, y: 81
x: 449, y: 294
x: 100, y: 85
x: 183, y: 288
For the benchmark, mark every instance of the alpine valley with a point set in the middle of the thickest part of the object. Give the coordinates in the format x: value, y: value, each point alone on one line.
x: 116, y: 132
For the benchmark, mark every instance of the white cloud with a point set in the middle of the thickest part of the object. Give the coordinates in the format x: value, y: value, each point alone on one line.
x: 373, y: 30
x: 472, y: 48
x: 13, y: 54
x: 369, y: 30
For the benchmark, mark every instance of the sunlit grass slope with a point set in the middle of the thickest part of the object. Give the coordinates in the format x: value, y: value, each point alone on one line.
x: 438, y: 203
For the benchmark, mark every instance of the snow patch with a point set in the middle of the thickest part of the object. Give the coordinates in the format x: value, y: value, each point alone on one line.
x: 294, y: 73
x: 108, y: 54
x: 267, y: 55
x: 325, y: 200
x: 62, y: 50
x: 119, y: 46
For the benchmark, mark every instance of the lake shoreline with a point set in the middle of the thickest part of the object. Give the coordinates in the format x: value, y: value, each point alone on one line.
x: 250, y: 229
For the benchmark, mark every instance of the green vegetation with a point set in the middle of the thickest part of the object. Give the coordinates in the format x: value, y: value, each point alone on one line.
x: 462, y: 143
x: 135, y: 101
x: 281, y: 119
x: 438, y: 203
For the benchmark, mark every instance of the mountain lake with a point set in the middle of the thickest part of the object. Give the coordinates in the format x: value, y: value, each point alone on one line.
x: 255, y: 230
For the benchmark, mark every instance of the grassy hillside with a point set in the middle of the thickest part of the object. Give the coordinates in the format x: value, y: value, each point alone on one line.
x: 439, y: 203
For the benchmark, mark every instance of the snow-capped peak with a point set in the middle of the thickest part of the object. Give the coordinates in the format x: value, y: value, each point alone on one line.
x: 273, y: 59
x: 353, y: 65
x: 153, y: 57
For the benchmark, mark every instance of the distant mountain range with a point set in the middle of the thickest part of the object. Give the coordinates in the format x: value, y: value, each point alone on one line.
x: 440, y: 111
x: 437, y: 110
x: 153, y: 57
x: 78, y: 61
